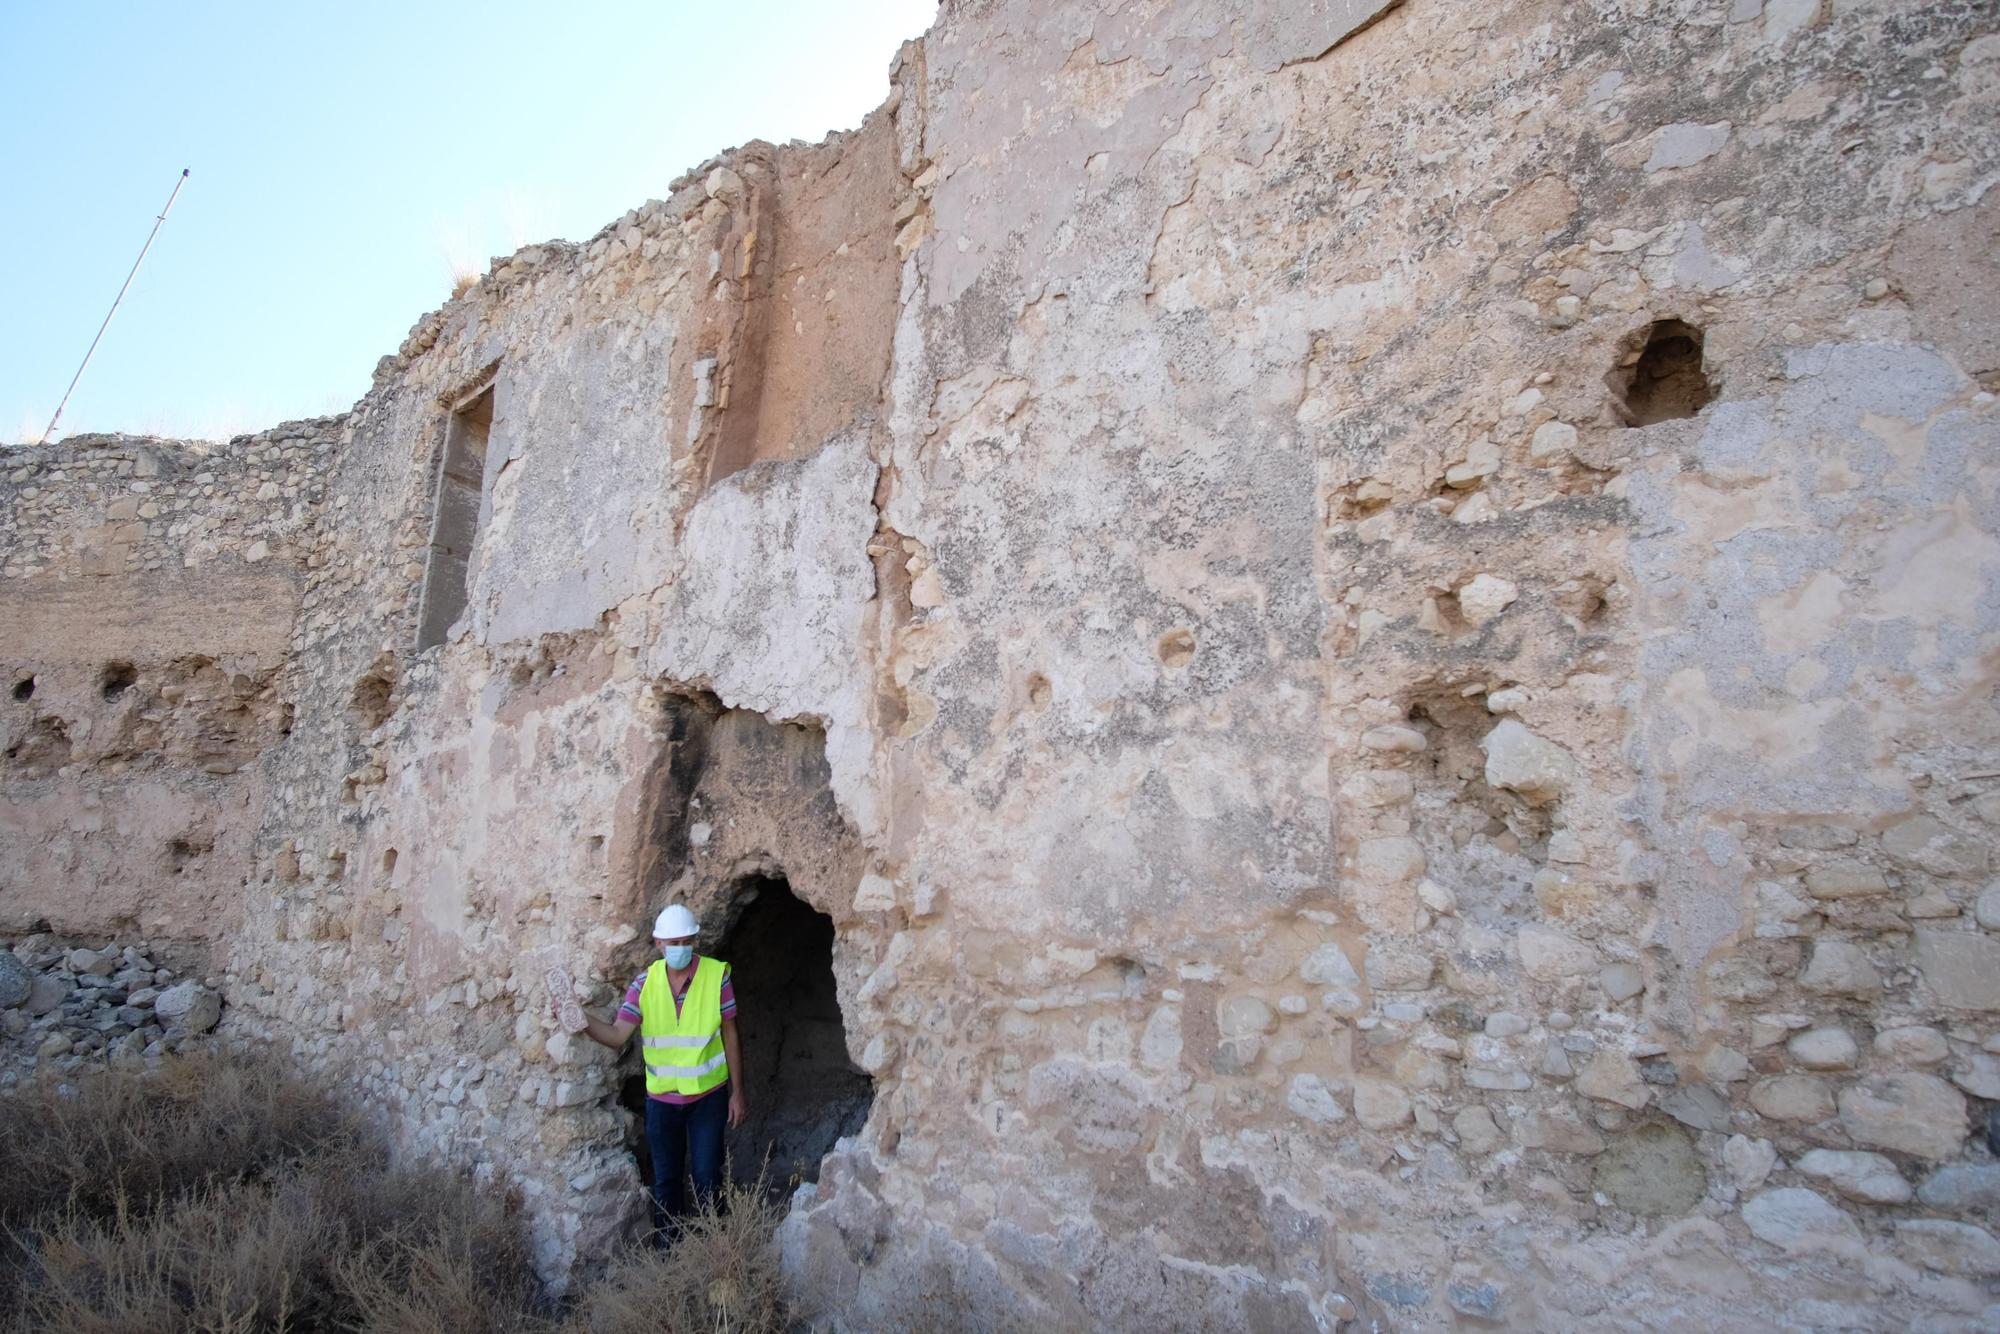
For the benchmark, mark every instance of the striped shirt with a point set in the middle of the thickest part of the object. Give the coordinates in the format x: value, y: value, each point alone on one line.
x: 630, y: 1011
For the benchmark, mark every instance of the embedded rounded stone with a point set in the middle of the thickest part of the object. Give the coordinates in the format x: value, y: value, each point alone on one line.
x: 1824, y: 1049
x: 189, y: 1006
x: 1548, y: 955
x: 1909, y: 1113
x: 1794, y: 1219
x: 1845, y: 880
x: 1612, y: 1076
x: 1978, y: 1074
x: 1621, y: 981
x: 1537, y: 770
x: 1913, y: 1045
x: 1962, y: 968
x: 1309, y: 1096
x: 1840, y: 968
x: 1932, y: 845
x: 1551, y: 440
x: 1964, y: 1186
x: 17, y: 980
x: 1748, y: 1160
x: 1792, y: 1098
x: 1244, y: 1015
x: 1483, y: 597
x: 1652, y: 1170
x: 1949, y: 1247
x: 1380, y: 1105
x: 1393, y: 738
x: 1559, y: 1130
x: 1476, y: 1130
x: 1986, y: 911
x: 1328, y: 966
x: 1398, y: 968
x: 1859, y: 1175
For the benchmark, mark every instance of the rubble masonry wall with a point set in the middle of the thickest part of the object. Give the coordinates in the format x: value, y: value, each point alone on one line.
x: 1323, y: 818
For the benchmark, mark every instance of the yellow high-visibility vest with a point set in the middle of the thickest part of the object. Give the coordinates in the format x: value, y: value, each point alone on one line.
x: 683, y: 1051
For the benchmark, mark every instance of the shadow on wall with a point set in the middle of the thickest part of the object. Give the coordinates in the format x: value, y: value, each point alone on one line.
x: 804, y: 1091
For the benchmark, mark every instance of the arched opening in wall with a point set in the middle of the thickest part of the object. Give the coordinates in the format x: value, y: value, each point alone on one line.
x: 804, y: 1091
x: 1664, y: 380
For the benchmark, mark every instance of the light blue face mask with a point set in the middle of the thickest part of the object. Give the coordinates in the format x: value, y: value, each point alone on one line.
x: 679, y: 956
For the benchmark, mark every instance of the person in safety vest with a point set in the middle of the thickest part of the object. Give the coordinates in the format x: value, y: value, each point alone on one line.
x: 685, y: 1010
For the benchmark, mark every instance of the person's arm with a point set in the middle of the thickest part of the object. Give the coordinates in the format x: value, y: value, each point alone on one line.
x: 612, y: 1034
x: 739, y: 1106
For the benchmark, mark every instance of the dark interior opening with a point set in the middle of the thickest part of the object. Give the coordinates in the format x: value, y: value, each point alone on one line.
x: 117, y: 679
x: 24, y: 688
x: 1667, y: 381
x: 804, y: 1091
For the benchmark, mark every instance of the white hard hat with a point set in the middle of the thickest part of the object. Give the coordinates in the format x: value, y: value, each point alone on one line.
x: 674, y: 922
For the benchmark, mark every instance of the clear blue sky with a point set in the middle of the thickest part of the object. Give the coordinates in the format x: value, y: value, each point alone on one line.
x: 346, y: 158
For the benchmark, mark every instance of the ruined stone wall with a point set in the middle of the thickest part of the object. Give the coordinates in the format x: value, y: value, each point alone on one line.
x: 1374, y: 624
x: 150, y: 587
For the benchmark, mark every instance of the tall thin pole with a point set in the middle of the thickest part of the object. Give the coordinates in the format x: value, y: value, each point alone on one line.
x: 114, y: 305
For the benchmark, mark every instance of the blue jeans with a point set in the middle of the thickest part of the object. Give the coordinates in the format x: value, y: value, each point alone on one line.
x: 686, y: 1140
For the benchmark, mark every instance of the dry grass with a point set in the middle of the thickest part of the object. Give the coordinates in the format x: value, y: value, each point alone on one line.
x: 222, y: 1197
x: 721, y: 1276
x: 129, y: 1141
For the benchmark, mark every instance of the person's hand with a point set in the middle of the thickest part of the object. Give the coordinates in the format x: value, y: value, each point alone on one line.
x: 739, y: 1108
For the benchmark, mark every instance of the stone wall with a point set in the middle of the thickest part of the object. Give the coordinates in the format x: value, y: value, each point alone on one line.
x: 1373, y: 624
x: 151, y: 588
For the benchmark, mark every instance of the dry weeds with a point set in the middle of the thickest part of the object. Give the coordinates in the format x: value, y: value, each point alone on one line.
x: 220, y: 1196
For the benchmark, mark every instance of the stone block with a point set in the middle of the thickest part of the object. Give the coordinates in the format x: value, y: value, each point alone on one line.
x: 1845, y: 880
x: 1905, y: 1112
x: 1804, y: 1098
x: 189, y: 1006
x: 1328, y: 966
x: 1484, y: 597
x: 1476, y: 1130
x: 1385, y: 875
x: 1651, y: 1170
x: 1911, y: 1045
x: 1537, y: 770
x: 1392, y: 967
x: 1949, y: 1247
x: 1549, y: 955
x: 1748, y: 1161
x: 1867, y: 1177
x: 1824, y: 1049
x: 1559, y: 1130
x: 1309, y: 1096
x: 17, y: 980
x: 1931, y: 845
x: 1841, y: 968
x: 1612, y: 1076
x: 1797, y: 1220
x: 1962, y: 968
x: 1962, y: 1186
x: 1380, y: 1105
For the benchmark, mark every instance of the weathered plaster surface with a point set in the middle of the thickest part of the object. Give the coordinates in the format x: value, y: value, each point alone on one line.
x: 1322, y: 818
